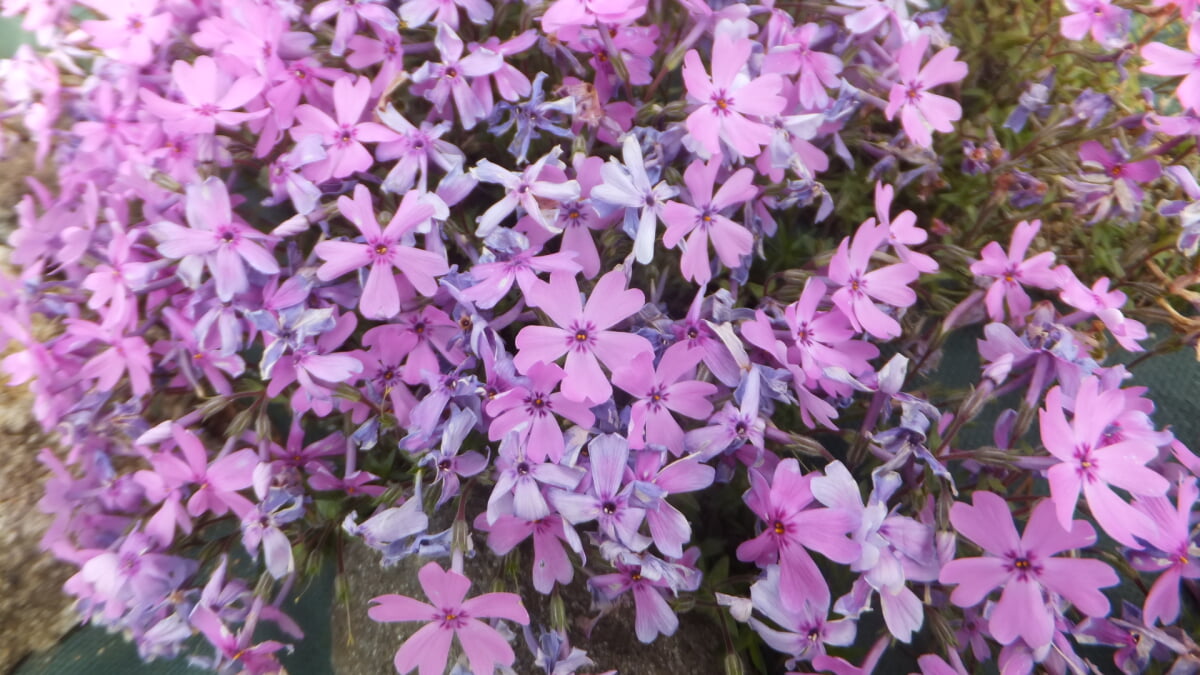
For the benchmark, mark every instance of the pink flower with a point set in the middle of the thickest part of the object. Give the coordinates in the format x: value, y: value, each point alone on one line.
x: 1104, y: 304
x: 342, y: 138
x: 660, y: 392
x: 582, y: 333
x: 533, y: 407
x: 451, y: 615
x: 859, y: 288
x: 725, y: 99
x: 416, y: 13
x: 1106, y: 22
x: 1024, y: 567
x: 383, y: 250
x: 1089, y: 464
x: 817, y: 70
x: 554, y: 565
x: 1011, y: 271
x: 132, y: 30
x: 531, y: 189
x: 439, y: 82
x: 1172, y: 551
x: 1171, y: 62
x: 209, y: 98
x: 703, y: 220
x: 349, y: 12
x: 791, y: 528
x: 215, y: 239
x: 902, y: 231
x: 921, y: 111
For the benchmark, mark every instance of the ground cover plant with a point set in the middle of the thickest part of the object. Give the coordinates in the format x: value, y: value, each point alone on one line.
x: 651, y: 298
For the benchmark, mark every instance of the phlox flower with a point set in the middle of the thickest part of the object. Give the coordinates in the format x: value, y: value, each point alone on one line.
x: 1089, y: 464
x: 530, y: 190
x: 816, y: 70
x: 342, y: 137
x: 511, y: 83
x: 532, y: 116
x: 210, y: 97
x: 217, y: 483
x: 1104, y: 304
x: 131, y: 31
x: 1168, y: 61
x: 495, y: 279
x: 385, y: 49
x: 669, y: 388
x: 921, y: 111
x: 860, y: 288
x: 532, y: 408
x: 449, y: 616
x: 902, y: 230
x: 732, y: 425
x: 1025, y: 568
x: 703, y: 220
x: 609, y: 500
x: 1173, y: 552
x: 287, y: 182
x: 383, y: 250
x: 1107, y: 22
x: 582, y: 333
x: 124, y: 355
x: 783, y: 504
x: 349, y: 13
x: 415, y: 13
x: 803, y: 629
x: 627, y: 185
x: 1124, y: 175
x: 727, y: 97
x: 564, y: 14
x: 576, y: 218
x: 415, y: 148
x: 652, y: 615
x: 519, y: 479
x: 317, y: 367
x: 439, y: 82
x: 1012, y: 270
x: 113, y: 284
x: 216, y: 239
x: 669, y: 528
x: 549, y: 533
x: 448, y: 462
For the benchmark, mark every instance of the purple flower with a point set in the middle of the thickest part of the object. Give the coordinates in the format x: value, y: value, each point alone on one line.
x: 553, y: 565
x: 1107, y: 22
x: 659, y: 392
x: 448, y: 462
x: 439, y: 82
x: 1173, y: 553
x: 209, y: 98
x: 628, y: 185
x: 803, y: 627
x: 383, y: 250
x: 607, y: 501
x: 349, y: 13
x: 450, y: 615
x: 1025, y: 568
x: 529, y: 189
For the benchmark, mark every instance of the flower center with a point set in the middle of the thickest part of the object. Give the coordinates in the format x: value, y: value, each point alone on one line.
x: 779, y: 527
x: 609, y: 508
x: 523, y: 468
x: 381, y: 249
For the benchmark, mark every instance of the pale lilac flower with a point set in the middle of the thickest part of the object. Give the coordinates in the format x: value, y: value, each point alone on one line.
x: 1107, y: 22
x: 495, y: 279
x: 652, y: 615
x: 922, y: 112
x: 803, y: 628
x: 669, y: 529
x: 1088, y: 464
x: 1105, y: 305
x: 415, y: 13
x: 627, y: 185
x: 610, y: 500
x: 349, y: 13
x: 448, y: 462
x: 132, y: 30
x: 725, y: 99
x: 817, y: 70
x: 519, y: 478
x: 1025, y: 568
x: 440, y: 82
x: 413, y: 152
x: 450, y: 615
x: 553, y: 565
x: 529, y: 189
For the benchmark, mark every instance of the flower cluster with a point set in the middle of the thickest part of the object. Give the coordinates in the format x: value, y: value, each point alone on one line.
x: 313, y: 271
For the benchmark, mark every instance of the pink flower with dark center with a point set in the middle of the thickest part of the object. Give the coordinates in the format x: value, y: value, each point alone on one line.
x: 384, y: 250
x: 922, y: 111
x: 209, y: 98
x: 534, y: 407
x: 702, y: 220
x: 662, y: 391
x: 450, y: 615
x: 343, y: 137
x: 1088, y: 464
x: 1025, y: 568
x: 860, y: 288
x: 1012, y: 271
x: 582, y: 333
x: 725, y: 100
x: 215, y: 239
